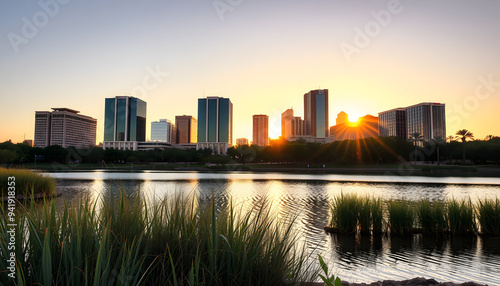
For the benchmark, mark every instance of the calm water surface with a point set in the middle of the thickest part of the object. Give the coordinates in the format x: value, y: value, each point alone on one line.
x: 353, y: 258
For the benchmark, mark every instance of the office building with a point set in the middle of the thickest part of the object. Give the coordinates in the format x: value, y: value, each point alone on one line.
x: 215, y: 124
x: 186, y: 129
x: 163, y: 131
x: 342, y: 118
x: 260, y: 130
x: 241, y: 141
x: 392, y: 123
x: 316, y: 113
x: 426, y: 118
x: 124, y: 120
x: 64, y: 127
x: 291, y: 126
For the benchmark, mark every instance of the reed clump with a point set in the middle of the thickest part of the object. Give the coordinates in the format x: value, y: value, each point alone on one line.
x: 431, y: 216
x: 26, y: 182
x: 177, y: 241
x: 401, y: 217
x: 488, y: 212
x: 351, y: 213
x: 461, y: 217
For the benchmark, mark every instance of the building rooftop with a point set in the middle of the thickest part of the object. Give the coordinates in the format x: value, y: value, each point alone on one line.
x: 66, y: 109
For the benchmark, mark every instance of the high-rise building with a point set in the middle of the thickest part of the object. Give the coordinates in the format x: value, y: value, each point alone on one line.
x: 316, y: 113
x: 215, y: 124
x: 125, y: 119
x: 64, y: 127
x: 186, y: 129
x: 291, y: 126
x: 428, y: 119
x: 163, y: 131
x: 261, y: 130
x: 342, y: 118
x: 392, y: 123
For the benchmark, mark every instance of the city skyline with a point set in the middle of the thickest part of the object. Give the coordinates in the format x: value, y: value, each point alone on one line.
x: 371, y: 56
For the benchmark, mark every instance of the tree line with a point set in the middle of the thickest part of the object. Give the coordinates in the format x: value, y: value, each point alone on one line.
x: 376, y: 150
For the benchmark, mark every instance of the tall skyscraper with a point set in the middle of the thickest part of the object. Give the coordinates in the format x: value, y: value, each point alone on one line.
x: 64, y: 127
x: 342, y: 118
x: 316, y: 113
x: 215, y: 124
x: 428, y: 119
x: 163, y: 131
x: 392, y: 123
x: 125, y: 119
x: 186, y: 129
x: 261, y: 130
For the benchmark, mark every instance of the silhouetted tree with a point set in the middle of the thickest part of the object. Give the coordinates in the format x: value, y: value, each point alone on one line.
x: 463, y: 135
x: 415, y: 138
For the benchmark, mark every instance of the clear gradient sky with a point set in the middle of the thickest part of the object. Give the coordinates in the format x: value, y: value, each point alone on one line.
x: 263, y: 55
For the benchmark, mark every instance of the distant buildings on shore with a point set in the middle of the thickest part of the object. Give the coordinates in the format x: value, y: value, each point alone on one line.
x: 125, y: 125
x: 215, y: 124
x: 64, y: 127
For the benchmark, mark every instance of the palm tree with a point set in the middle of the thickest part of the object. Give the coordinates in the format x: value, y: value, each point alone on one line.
x: 450, y: 138
x: 415, y: 137
x: 437, y: 141
x: 463, y: 135
x: 489, y: 137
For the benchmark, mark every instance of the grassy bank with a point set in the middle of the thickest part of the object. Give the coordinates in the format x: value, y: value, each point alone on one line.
x: 177, y: 241
x: 352, y: 214
x: 26, y: 182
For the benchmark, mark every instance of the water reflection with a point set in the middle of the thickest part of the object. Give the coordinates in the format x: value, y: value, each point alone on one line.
x: 306, y: 198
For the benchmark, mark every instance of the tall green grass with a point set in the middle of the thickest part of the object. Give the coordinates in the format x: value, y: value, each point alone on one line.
x: 461, y: 217
x: 175, y: 241
x: 26, y: 182
x: 345, y: 210
x: 401, y: 217
x: 488, y: 212
x: 351, y: 213
x: 431, y: 216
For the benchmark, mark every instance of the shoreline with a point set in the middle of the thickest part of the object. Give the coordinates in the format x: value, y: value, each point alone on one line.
x: 387, y: 170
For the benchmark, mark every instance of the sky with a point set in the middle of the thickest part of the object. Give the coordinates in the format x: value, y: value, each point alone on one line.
x: 372, y: 56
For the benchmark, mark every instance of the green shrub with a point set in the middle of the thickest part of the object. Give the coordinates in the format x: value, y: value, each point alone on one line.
x: 26, y: 182
x: 461, y: 217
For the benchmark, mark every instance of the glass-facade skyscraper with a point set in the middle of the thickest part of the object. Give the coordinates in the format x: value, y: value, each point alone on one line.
x: 392, y: 123
x: 316, y: 113
x: 125, y: 119
x: 215, y: 124
x: 428, y: 119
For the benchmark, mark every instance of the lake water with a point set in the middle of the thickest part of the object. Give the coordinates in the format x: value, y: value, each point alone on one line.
x: 353, y: 258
